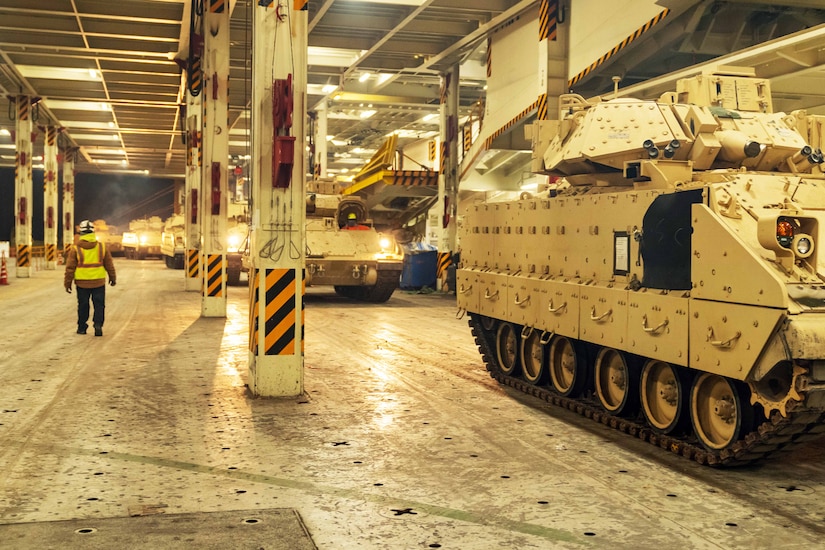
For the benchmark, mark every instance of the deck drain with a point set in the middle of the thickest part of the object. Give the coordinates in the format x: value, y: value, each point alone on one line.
x: 339, y: 443
x: 403, y: 511
x: 86, y: 531
x: 250, y: 521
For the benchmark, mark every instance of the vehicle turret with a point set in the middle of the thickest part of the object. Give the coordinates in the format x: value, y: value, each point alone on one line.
x: 711, y: 122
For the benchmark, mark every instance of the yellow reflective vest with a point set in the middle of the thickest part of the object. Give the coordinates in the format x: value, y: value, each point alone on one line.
x: 90, y: 263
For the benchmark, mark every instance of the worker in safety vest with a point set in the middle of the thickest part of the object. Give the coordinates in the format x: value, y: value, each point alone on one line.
x: 88, y: 264
x: 352, y: 222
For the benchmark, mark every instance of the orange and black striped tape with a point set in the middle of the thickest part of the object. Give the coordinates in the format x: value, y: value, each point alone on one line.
x: 216, y: 6
x: 548, y: 19
x: 489, y: 141
x: 618, y: 47
x: 23, y: 255
x: 444, y: 261
x: 192, y: 264
x: 279, y: 311
x: 51, y: 252
x: 541, y: 109
x: 23, y: 107
x: 415, y: 178
x: 213, y: 285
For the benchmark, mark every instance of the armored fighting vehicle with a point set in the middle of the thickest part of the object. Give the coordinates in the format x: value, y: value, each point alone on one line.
x: 143, y: 238
x: 172, y: 243
x: 669, y: 282
x: 360, y: 263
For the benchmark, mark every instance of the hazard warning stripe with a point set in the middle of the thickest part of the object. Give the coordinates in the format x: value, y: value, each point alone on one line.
x: 489, y: 141
x: 253, y: 309
x: 444, y: 261
x: 279, y: 324
x: 415, y: 178
x: 23, y: 255
x: 214, y: 281
x: 300, y: 5
x: 192, y: 264
x: 22, y: 107
x: 548, y: 19
x: 51, y: 252
x: 216, y: 6
x: 541, y: 110
x: 619, y: 47
x: 442, y: 160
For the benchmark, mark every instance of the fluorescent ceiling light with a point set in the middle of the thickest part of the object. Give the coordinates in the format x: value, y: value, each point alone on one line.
x: 95, y: 137
x: 364, y: 77
x: 120, y: 171
x: 367, y: 114
x: 102, y: 151
x: 78, y: 105
x: 383, y: 77
x: 328, y: 88
x: 332, y: 57
x: 4, y: 132
x: 108, y: 161
x: 59, y: 73
x: 429, y: 117
x: 85, y: 124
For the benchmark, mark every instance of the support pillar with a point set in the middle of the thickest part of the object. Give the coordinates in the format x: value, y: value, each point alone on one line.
x: 215, y: 96
x: 69, y: 159
x: 276, y: 341
x: 51, y: 217
x: 448, y: 178
x: 192, y: 191
x: 23, y: 190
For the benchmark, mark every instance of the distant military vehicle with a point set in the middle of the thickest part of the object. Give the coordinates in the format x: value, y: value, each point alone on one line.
x: 143, y: 238
x: 359, y: 263
x: 669, y: 284
x: 171, y: 241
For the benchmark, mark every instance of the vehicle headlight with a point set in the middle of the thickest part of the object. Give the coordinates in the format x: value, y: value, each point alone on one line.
x: 233, y: 241
x: 143, y: 239
x: 384, y: 243
x: 803, y: 245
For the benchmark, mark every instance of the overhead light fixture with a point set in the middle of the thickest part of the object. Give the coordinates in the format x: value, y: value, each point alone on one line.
x: 95, y: 137
x: 368, y: 113
x: 4, y: 132
x: 332, y: 57
x: 88, y: 124
x: 329, y: 88
x: 429, y: 117
x: 364, y: 77
x: 383, y: 77
x: 72, y: 105
x: 59, y: 73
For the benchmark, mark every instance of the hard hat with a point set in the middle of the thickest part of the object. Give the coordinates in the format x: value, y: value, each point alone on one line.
x: 351, y: 216
x: 86, y: 227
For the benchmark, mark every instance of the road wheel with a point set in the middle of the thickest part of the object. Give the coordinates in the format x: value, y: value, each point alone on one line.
x: 664, y: 396
x: 720, y: 411
x: 507, y: 338
x: 616, y: 382
x: 566, y: 368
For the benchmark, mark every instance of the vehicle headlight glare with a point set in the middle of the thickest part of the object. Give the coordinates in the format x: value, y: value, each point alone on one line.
x: 385, y: 243
x: 803, y: 245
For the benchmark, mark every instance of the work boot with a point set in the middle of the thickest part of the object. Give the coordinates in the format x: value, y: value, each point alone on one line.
x: 98, y: 331
x: 81, y: 330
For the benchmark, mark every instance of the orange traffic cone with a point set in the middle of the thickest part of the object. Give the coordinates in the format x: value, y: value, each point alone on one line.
x: 4, y: 275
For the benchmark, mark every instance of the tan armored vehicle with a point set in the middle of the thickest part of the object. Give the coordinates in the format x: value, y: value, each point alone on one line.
x: 670, y: 283
x: 143, y: 238
x: 109, y: 235
x: 359, y: 262
x: 172, y: 241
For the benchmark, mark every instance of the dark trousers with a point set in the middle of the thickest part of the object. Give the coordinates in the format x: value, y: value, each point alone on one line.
x: 98, y: 296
